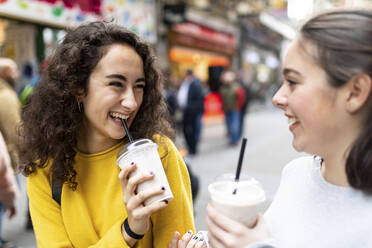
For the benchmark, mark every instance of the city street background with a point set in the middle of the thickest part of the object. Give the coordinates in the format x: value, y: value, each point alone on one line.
x: 268, y: 150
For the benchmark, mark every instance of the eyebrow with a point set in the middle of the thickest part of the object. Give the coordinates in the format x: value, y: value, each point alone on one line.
x: 289, y: 70
x: 123, y: 78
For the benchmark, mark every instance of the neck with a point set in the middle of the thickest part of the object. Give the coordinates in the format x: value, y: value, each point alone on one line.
x: 333, y: 171
x: 90, y: 144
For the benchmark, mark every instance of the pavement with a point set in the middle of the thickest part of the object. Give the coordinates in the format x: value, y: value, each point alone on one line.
x: 268, y: 150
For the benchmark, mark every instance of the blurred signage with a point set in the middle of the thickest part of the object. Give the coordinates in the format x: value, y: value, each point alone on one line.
x: 212, y: 107
x: 139, y: 16
x: 204, y: 33
x: 179, y: 54
x: 174, y: 13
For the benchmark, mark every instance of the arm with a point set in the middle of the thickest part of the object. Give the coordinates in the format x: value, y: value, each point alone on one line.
x: 8, y: 185
x: 49, y: 224
x: 45, y: 212
x: 178, y: 216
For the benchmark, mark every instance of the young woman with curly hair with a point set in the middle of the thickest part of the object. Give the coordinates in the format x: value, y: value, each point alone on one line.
x: 70, y: 136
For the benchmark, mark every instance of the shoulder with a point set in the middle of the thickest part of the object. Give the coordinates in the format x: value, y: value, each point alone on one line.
x: 165, y: 144
x: 9, y: 98
x: 298, y: 166
x: 40, y: 177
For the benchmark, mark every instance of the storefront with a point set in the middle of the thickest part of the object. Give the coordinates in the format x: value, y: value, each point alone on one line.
x: 199, y: 48
x: 31, y: 29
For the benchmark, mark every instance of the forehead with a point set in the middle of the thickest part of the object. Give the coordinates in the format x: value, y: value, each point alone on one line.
x: 301, y: 56
x: 120, y: 57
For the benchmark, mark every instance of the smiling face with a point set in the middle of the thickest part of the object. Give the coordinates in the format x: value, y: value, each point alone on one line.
x: 115, y: 89
x: 313, y: 107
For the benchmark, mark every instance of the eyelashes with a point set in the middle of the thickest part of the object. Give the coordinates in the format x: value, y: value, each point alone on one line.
x: 119, y: 84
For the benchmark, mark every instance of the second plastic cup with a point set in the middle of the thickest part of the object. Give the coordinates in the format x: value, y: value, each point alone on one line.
x: 144, y: 154
x: 243, y: 206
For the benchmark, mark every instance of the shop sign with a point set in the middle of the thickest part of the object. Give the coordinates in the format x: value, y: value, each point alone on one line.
x: 204, y: 44
x: 204, y: 33
x: 138, y: 16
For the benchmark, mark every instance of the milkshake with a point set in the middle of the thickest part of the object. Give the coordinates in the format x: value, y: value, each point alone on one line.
x: 240, y: 201
x: 144, y: 154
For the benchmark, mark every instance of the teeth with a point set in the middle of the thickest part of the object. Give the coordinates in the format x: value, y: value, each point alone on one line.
x: 291, y: 121
x: 117, y: 115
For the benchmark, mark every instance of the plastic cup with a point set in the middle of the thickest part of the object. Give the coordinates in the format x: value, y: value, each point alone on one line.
x: 244, y: 205
x: 144, y: 154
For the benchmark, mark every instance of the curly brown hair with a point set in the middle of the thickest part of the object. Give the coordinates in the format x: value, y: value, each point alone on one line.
x: 51, y: 117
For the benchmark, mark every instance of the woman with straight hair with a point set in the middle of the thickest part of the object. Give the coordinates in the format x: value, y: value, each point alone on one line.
x: 324, y: 200
x: 72, y: 132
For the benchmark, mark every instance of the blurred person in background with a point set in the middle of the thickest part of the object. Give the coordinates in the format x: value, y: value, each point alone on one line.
x: 28, y: 89
x: 170, y: 94
x: 248, y: 98
x: 10, y: 107
x: 233, y: 99
x: 71, y: 134
x: 190, y: 99
x: 8, y: 189
x: 324, y: 200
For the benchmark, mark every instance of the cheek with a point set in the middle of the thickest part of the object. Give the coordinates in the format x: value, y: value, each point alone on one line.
x: 139, y: 99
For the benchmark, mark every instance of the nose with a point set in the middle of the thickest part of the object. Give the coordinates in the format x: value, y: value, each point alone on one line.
x: 280, y: 98
x: 128, y: 100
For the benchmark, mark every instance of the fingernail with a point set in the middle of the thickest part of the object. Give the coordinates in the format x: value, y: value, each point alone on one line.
x: 201, y: 239
x: 162, y: 188
x: 151, y: 173
x: 166, y: 202
x: 189, y: 232
x: 132, y: 163
x: 195, y: 238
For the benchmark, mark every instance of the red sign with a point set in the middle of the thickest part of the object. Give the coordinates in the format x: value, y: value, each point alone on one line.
x: 89, y: 6
x: 204, y: 33
x: 213, y: 107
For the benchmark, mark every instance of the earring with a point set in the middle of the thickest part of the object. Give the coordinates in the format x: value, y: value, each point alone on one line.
x: 352, y: 105
x: 80, y: 106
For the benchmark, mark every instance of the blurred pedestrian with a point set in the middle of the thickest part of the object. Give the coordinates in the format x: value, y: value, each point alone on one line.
x: 233, y: 98
x: 248, y: 98
x: 191, y: 100
x: 8, y: 188
x: 170, y: 94
x: 72, y: 132
x: 30, y: 86
x: 325, y: 200
x: 10, y: 106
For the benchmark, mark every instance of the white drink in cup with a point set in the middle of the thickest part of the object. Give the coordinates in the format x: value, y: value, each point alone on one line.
x: 244, y: 205
x: 144, y: 154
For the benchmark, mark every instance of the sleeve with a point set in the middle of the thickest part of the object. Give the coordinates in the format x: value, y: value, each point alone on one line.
x: 10, y: 117
x: 240, y: 97
x: 178, y: 216
x: 45, y: 213
x: 48, y: 223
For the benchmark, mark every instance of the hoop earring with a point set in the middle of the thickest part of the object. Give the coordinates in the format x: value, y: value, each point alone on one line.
x: 80, y: 107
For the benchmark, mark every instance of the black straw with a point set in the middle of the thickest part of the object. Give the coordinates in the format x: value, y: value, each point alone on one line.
x: 240, y: 162
x: 125, y: 125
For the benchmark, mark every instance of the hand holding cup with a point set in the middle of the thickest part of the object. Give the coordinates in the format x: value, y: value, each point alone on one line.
x: 139, y: 213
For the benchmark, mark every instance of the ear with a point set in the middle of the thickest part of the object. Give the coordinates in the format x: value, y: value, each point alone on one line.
x: 359, y: 89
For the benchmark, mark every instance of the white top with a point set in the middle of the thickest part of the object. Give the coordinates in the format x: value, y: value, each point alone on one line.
x: 309, y: 212
x: 183, y: 93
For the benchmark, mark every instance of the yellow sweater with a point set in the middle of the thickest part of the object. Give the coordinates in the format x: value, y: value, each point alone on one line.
x: 92, y: 215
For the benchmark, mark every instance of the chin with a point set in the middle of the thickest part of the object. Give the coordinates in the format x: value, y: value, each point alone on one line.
x: 298, y: 147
